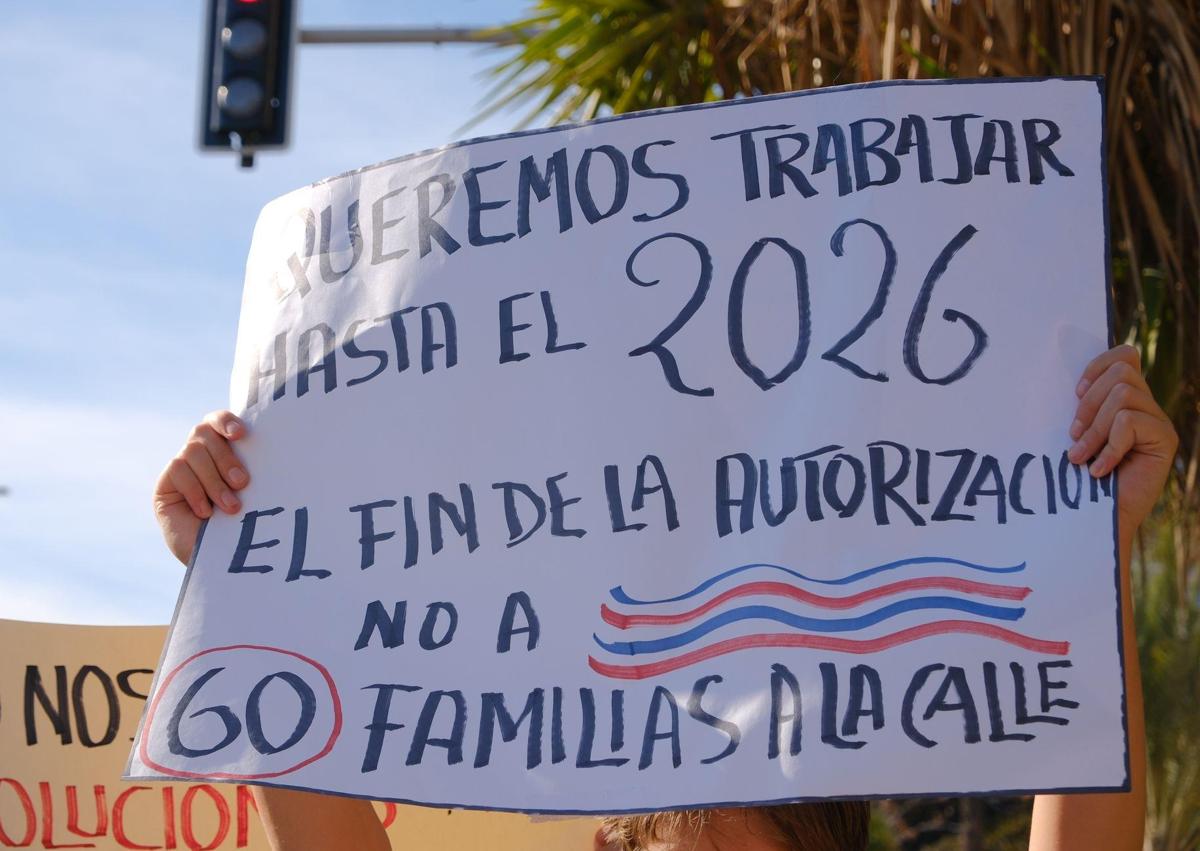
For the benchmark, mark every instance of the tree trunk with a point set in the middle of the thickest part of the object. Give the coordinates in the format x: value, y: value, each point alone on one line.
x: 970, y: 819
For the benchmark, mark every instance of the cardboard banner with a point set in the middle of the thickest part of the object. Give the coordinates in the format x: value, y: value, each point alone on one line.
x: 707, y: 455
x: 70, y: 699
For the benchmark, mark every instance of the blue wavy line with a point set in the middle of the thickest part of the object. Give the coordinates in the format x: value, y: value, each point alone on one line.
x: 670, y: 642
x: 620, y: 596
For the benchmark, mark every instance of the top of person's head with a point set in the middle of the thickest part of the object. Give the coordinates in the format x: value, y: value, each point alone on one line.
x: 821, y: 826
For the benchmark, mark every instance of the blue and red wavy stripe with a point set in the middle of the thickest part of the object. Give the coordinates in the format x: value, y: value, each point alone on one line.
x: 705, y: 617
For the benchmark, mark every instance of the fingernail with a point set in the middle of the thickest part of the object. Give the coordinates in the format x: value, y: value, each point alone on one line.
x: 1075, y: 451
x: 1082, y: 387
x: 1097, y: 469
x: 231, y: 429
x: 237, y: 476
x: 1076, y: 430
x: 229, y: 500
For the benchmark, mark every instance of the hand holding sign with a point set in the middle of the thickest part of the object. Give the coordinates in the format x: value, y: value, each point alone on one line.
x: 1118, y: 422
x: 205, y: 473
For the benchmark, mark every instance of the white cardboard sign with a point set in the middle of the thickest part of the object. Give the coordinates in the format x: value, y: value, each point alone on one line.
x: 699, y: 456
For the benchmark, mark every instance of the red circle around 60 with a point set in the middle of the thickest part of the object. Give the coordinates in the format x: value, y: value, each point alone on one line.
x: 335, y: 702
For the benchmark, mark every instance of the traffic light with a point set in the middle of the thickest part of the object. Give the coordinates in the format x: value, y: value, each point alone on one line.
x: 247, y: 75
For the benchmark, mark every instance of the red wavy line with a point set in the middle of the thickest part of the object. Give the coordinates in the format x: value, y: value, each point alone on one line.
x: 825, y: 642
x: 783, y: 589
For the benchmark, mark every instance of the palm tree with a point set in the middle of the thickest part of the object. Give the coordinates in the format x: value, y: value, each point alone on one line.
x: 1169, y: 647
x: 576, y: 59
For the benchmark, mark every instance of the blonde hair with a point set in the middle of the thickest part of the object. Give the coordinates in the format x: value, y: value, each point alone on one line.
x: 821, y: 826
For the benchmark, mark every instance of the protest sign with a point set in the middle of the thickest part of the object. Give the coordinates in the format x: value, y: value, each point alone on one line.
x: 709, y: 455
x: 70, y: 699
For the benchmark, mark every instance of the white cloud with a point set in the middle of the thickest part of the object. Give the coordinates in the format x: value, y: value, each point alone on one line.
x: 47, y: 601
x: 76, y: 529
x: 116, y: 334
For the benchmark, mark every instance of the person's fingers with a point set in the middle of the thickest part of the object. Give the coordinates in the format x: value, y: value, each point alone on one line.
x: 1096, y: 368
x: 226, y: 424
x: 228, y: 466
x: 184, y: 481
x: 1117, y: 373
x: 1122, y: 397
x: 197, y: 456
x: 1130, y: 430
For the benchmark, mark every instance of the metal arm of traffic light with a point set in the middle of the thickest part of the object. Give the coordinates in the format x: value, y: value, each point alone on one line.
x: 407, y: 35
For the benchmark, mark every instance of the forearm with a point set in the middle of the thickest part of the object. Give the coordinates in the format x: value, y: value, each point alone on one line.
x: 307, y: 821
x: 1109, y: 821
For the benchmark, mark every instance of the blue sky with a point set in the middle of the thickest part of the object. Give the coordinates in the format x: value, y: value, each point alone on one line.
x: 122, y: 250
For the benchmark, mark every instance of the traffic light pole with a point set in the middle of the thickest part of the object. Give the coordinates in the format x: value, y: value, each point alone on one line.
x: 407, y: 35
